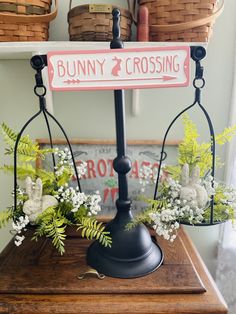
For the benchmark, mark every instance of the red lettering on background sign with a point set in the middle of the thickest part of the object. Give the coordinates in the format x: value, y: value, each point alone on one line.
x: 91, y: 169
x: 102, y: 167
x: 110, y: 164
x: 145, y: 163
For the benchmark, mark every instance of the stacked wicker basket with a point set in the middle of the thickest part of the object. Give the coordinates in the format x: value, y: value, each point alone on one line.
x: 181, y: 20
x: 93, y: 22
x: 169, y: 20
x: 25, y: 20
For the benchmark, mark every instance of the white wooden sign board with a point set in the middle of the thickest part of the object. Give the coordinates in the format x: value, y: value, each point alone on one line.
x: 132, y: 68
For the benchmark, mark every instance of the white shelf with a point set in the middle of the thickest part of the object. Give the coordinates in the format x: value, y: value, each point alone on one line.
x: 25, y: 50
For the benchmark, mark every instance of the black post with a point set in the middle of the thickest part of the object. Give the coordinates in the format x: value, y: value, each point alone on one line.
x: 121, y: 164
x: 133, y: 254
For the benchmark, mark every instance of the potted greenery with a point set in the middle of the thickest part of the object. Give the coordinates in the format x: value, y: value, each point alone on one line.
x: 45, y: 199
x: 185, y: 190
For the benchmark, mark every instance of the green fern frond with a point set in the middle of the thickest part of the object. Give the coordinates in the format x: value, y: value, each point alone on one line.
x: 226, y: 135
x: 47, y: 177
x: 193, y: 153
x: 92, y: 229
x: 39, y: 232
x: 188, y: 148
x: 52, y: 225
x: 25, y: 153
x: 82, y: 212
x: 47, y: 214
x: 23, y: 170
x: 145, y: 216
x: 27, y: 149
x: 142, y: 217
x: 173, y: 171
x: 56, y: 231
x: 222, y: 212
x: 65, y: 177
x: 10, y: 136
x: 190, y: 128
x: 5, y: 216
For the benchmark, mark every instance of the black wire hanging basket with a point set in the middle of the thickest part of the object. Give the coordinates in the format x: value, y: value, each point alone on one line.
x: 38, y: 62
x: 197, y: 54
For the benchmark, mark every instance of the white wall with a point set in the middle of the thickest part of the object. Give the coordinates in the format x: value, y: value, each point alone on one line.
x: 91, y: 115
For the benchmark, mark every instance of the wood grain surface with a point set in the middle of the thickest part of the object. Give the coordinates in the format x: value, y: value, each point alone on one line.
x: 35, y: 279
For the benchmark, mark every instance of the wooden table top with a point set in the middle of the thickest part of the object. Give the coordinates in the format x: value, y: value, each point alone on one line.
x: 35, y: 279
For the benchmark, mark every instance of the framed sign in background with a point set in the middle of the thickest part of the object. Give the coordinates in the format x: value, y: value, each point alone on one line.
x: 100, y: 176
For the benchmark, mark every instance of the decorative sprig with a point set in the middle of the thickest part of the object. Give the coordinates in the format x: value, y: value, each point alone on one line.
x: 51, y: 223
x: 226, y: 135
x: 27, y: 149
x: 72, y: 207
x: 92, y: 229
x: 23, y: 171
x: 5, y: 216
x: 179, y: 199
x: 194, y: 153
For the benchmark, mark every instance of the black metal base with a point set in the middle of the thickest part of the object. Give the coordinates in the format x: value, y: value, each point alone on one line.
x: 133, y: 253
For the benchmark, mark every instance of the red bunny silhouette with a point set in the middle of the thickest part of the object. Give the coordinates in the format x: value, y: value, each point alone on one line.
x: 116, y: 67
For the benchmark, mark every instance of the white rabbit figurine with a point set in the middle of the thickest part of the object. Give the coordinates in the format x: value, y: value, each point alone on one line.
x: 37, y: 202
x: 191, y: 190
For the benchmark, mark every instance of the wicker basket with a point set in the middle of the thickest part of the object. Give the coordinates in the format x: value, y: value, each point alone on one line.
x: 94, y: 22
x: 181, y: 20
x: 25, y: 20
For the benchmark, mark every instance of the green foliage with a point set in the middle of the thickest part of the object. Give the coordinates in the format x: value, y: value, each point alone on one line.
x: 226, y: 135
x: 82, y: 212
x: 23, y: 171
x: 47, y: 177
x: 190, y: 151
x: 51, y: 223
x: 92, y: 229
x: 65, y: 177
x: 5, y: 216
x: 27, y: 149
x: 145, y: 216
x: 222, y: 210
x: 173, y: 171
x: 194, y: 153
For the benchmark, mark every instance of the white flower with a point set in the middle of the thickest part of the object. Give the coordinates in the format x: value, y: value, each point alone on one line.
x: 71, y: 195
x: 18, y: 240
x: 82, y: 169
x: 147, y: 175
x: 20, y: 223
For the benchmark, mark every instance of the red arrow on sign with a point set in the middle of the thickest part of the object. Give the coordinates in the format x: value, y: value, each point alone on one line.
x: 163, y: 78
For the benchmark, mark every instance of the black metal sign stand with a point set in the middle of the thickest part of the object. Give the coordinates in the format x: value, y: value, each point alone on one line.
x: 133, y: 254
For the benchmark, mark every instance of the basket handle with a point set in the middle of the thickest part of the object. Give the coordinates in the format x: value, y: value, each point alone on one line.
x: 44, y: 18
x: 70, y: 5
x: 188, y: 25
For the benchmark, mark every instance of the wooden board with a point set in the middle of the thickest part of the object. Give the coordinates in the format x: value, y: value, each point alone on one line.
x: 36, y: 268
